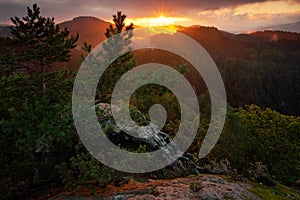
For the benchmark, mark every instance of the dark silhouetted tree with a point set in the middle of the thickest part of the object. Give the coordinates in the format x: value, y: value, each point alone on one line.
x: 38, y: 43
x: 111, y: 47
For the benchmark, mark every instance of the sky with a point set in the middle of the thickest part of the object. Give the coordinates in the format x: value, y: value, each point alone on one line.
x: 229, y: 15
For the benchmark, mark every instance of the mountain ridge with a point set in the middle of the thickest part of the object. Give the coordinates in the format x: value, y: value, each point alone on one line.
x: 82, y: 24
x: 290, y: 27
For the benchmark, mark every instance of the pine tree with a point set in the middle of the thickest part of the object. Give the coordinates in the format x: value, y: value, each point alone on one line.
x: 39, y: 43
x: 123, y: 63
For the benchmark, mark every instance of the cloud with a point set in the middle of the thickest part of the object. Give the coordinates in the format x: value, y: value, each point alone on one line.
x: 227, y: 15
x: 177, y: 4
x: 135, y: 8
x: 10, y: 9
x: 251, y: 16
x: 61, y: 10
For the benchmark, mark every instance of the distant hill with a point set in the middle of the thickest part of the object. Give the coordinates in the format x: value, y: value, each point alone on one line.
x: 266, y: 36
x: 4, y: 31
x: 291, y: 27
x: 90, y: 29
x: 276, y: 35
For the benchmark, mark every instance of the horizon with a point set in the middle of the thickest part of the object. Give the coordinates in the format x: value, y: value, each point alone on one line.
x: 174, y: 27
x: 232, y: 16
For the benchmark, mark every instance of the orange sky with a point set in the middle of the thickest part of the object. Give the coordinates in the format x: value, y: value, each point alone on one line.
x: 229, y: 15
x: 238, y: 18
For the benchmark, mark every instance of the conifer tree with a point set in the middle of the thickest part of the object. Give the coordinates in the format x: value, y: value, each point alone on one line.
x: 123, y: 63
x: 39, y: 43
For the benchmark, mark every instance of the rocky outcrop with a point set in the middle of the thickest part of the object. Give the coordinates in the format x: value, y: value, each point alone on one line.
x: 204, y: 186
x: 149, y: 136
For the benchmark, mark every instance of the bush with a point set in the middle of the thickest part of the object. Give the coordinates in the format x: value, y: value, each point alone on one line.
x: 252, y: 136
x: 273, y: 140
x: 83, y: 170
x: 37, y: 133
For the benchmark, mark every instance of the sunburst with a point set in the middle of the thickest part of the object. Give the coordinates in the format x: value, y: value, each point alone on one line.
x: 160, y: 20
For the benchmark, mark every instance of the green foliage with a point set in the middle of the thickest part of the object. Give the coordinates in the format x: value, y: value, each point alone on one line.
x: 118, y: 26
x: 121, y: 65
x: 150, y: 94
x: 138, y: 117
x: 273, y: 140
x: 279, y: 192
x: 83, y: 170
x: 34, y: 140
x: 266, y: 74
x: 260, y: 143
x: 40, y: 40
x: 229, y: 152
x: 87, y: 47
x: 196, y: 186
x: 108, y: 128
x: 140, y: 149
x: 183, y: 69
x: 37, y: 132
x: 6, y: 57
x: 260, y: 173
x: 232, y: 143
x: 37, y: 44
x: 14, y: 89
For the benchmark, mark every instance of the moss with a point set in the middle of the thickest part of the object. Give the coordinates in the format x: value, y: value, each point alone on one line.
x: 227, y: 178
x: 196, y: 186
x: 194, y: 175
x: 278, y: 192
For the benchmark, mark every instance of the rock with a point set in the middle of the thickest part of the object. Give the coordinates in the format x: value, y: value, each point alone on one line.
x: 221, y: 167
x: 184, y: 188
x: 209, y: 196
x: 119, y: 197
x: 202, y: 186
x: 149, y: 136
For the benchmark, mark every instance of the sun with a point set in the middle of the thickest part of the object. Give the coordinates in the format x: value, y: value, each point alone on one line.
x: 160, y: 20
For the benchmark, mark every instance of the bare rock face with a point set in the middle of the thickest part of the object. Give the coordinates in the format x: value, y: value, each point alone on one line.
x: 149, y: 136
x: 206, y: 187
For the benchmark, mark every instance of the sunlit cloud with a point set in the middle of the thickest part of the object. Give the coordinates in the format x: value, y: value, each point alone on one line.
x: 229, y: 15
x: 253, y: 15
x: 270, y: 7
